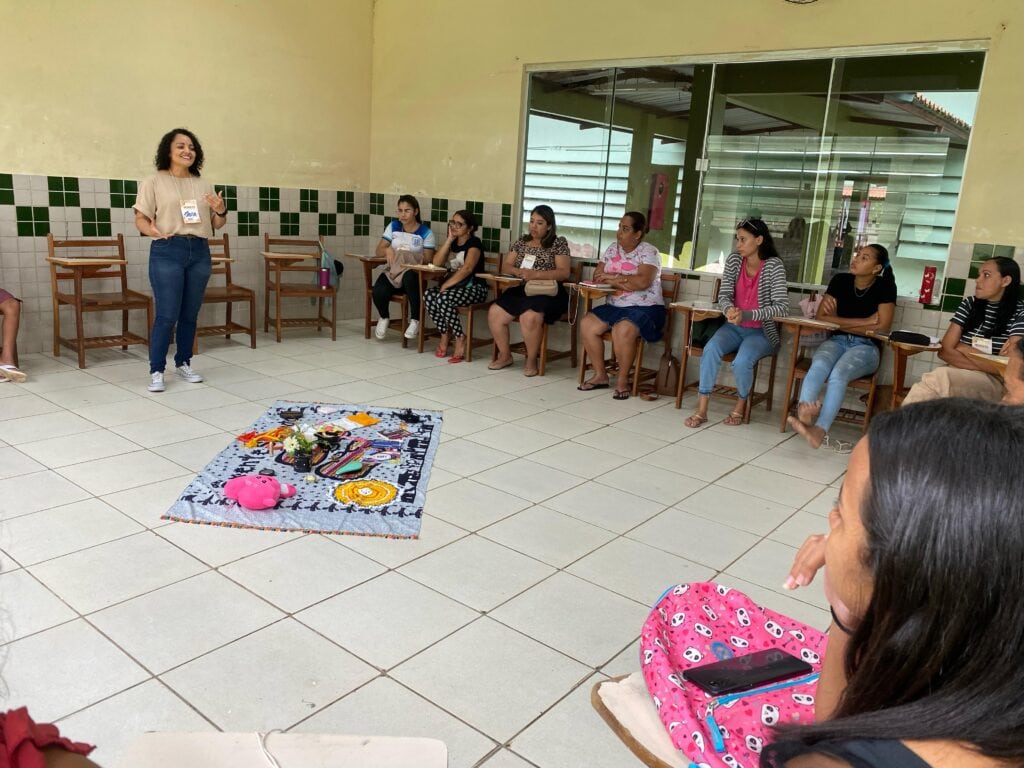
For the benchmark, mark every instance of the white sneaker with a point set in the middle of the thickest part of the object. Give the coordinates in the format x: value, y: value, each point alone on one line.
x: 156, y: 382
x: 185, y: 372
x: 413, y: 330
x: 382, y: 328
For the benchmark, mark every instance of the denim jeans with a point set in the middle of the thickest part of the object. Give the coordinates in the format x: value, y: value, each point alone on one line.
x: 749, y: 344
x: 839, y: 360
x: 179, y: 269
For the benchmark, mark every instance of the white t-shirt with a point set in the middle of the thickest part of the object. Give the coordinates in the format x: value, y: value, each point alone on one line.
x: 618, y: 262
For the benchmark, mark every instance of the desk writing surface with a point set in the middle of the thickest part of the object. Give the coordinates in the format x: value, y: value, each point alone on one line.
x: 279, y: 255
x: 84, y: 262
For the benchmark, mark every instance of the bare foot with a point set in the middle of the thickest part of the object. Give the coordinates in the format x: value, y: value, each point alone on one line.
x: 500, y: 362
x: 812, y: 434
x: 807, y: 413
x: 530, y: 368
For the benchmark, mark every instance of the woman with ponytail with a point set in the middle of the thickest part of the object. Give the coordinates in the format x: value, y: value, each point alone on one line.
x: 858, y: 301
x: 994, y: 312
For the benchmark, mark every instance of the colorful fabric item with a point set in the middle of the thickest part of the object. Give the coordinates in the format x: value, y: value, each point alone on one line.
x: 370, y: 479
x: 618, y: 262
x: 23, y: 741
x: 696, y: 624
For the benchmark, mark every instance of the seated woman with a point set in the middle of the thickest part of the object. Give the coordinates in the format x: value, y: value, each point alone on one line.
x: 921, y: 566
x: 753, y: 291
x: 993, y: 312
x: 861, y: 300
x: 406, y: 240
x: 10, y: 310
x: 463, y: 255
x: 539, y: 255
x: 637, y: 307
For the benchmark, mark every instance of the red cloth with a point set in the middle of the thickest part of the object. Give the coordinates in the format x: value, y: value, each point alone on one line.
x: 24, y: 740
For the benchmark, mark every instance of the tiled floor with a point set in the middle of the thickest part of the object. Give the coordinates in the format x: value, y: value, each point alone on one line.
x: 554, y: 518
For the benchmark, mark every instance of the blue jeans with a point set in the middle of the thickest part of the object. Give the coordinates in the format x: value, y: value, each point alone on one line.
x: 179, y: 269
x: 840, y: 360
x: 749, y: 344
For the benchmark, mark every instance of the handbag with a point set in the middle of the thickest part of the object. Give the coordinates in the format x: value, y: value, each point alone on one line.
x: 541, y: 288
x: 668, y: 375
x: 695, y: 624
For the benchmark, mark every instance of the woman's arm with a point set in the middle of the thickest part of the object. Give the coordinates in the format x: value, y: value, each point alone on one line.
x: 147, y: 226
x: 954, y: 352
x: 441, y: 255
x: 384, y: 250
x: 880, y: 321
x: 727, y: 289
x: 473, y: 255
x: 832, y: 682
x: 428, y: 255
x: 641, y: 281
x: 218, y: 209
x: 562, y: 270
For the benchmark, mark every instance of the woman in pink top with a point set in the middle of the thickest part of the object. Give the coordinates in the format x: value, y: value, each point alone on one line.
x: 753, y: 292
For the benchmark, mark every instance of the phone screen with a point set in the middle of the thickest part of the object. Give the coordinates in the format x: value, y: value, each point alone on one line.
x: 745, y: 672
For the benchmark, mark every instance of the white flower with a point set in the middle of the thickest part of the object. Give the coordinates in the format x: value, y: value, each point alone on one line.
x: 291, y: 444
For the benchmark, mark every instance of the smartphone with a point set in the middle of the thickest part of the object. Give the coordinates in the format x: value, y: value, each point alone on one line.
x: 743, y: 673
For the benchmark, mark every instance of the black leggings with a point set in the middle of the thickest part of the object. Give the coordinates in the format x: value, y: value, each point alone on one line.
x: 383, y: 290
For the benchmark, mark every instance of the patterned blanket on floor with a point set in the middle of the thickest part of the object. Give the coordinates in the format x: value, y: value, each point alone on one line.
x: 373, y: 482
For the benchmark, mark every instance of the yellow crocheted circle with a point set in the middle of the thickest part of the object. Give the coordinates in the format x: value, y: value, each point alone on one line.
x: 366, y: 493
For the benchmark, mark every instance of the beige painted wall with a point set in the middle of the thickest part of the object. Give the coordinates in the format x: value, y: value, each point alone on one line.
x: 278, y: 92
x: 446, y: 118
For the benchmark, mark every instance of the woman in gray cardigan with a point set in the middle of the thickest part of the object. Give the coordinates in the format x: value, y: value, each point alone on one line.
x: 753, y: 292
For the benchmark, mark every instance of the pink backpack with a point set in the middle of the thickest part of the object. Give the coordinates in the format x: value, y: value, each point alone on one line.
x: 695, y: 624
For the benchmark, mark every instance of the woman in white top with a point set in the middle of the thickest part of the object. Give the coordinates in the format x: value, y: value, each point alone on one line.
x: 406, y: 240
x: 179, y: 211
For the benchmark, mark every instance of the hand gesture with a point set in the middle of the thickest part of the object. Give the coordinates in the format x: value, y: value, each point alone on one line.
x: 827, y: 306
x: 734, y: 315
x: 216, y: 202
x: 808, y: 561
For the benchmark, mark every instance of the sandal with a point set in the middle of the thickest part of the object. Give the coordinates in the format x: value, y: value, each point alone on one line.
x: 621, y: 394
x: 587, y: 386
x: 441, y: 352
x: 695, y: 421
x: 734, y: 419
x: 12, y: 373
x: 456, y: 359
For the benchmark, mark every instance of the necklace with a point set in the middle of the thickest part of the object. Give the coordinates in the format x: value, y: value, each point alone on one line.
x: 860, y: 292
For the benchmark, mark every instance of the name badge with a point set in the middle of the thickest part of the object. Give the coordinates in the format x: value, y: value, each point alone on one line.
x: 982, y: 344
x: 528, y: 261
x: 190, y: 211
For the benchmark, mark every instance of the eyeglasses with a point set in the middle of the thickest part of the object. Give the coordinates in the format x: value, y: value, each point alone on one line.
x: 456, y: 223
x: 756, y: 224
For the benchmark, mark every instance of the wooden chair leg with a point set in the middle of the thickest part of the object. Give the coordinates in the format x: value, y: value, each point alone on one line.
x: 771, y: 383
x: 405, y: 323
x: 469, y: 335
x: 252, y: 322
x: 124, y: 328
x: 334, y: 316
x: 638, y: 364
x: 277, y: 313
x: 56, y: 328
x: 542, y: 362
x: 266, y: 305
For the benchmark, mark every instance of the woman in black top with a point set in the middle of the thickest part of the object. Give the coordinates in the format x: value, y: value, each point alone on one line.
x: 463, y: 255
x: 858, y: 301
x: 924, y: 562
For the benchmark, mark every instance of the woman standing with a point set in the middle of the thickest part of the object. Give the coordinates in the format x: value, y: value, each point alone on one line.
x: 858, y: 301
x: 179, y: 211
x: 406, y: 240
x: 462, y: 254
x: 753, y: 292
x: 541, y: 256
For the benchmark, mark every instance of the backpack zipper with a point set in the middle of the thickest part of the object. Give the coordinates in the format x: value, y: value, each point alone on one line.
x: 712, y: 724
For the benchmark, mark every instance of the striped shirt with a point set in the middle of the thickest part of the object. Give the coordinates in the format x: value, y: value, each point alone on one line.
x: 987, y: 329
x: 772, y: 294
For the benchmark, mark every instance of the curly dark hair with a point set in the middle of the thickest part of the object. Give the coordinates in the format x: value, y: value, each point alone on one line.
x: 163, y: 151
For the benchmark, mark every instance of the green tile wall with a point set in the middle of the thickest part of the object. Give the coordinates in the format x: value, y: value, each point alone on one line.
x: 96, y: 222
x: 6, y: 189
x: 123, y: 193
x: 248, y: 223
x: 289, y: 224
x: 309, y: 201
x: 346, y: 202
x: 329, y: 224
x: 32, y: 221
x: 439, y: 210
x: 270, y: 199
x: 376, y: 204
x: 361, y: 225
x: 63, y: 190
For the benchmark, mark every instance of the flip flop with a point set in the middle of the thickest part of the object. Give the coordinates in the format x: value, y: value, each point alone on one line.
x: 440, y: 352
x: 13, y: 373
x: 734, y: 419
x: 588, y: 386
x: 456, y: 359
x: 621, y: 394
x: 496, y: 366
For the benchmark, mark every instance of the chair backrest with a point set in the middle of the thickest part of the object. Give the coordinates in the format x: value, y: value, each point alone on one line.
x: 89, y: 249
x: 670, y: 282
x: 220, y: 255
x: 295, y: 245
x: 715, y: 289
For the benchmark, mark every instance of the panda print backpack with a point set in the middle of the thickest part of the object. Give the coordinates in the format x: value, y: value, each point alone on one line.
x: 696, y: 624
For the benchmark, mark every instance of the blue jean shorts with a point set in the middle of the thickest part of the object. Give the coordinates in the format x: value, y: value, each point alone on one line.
x: 650, y: 320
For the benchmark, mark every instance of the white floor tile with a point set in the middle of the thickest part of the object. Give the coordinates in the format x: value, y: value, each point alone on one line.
x: 17, y: 462
x: 23, y: 494
x: 528, y: 479
x: 129, y: 412
x: 115, y: 723
x: 723, y: 444
x: 187, y: 398
x: 740, y: 510
x: 282, y: 574
x: 636, y: 570
x: 434, y: 534
x: 82, y: 397
x: 460, y: 422
x: 62, y: 451
x: 183, y: 621
x: 767, y: 563
x: 61, y: 530
x: 52, y: 382
x: 505, y: 759
x: 29, y: 607
x: 661, y: 485
x: 118, y: 473
x: 807, y: 464
x: 513, y: 438
x: 558, y: 424
x: 388, y: 619
x: 109, y: 573
x: 823, y: 503
x: 467, y: 458
x: 621, y: 442
x: 502, y: 408
x: 546, y: 535
x: 216, y: 545
x: 491, y: 677
x: 797, y: 528
x: 165, y: 431
x: 196, y: 453
x: 679, y: 457
x: 64, y: 669
x: 583, y: 621
x: 470, y: 505
x: 299, y: 672
x: 24, y: 404
x: 694, y: 538
x: 477, y: 572
x: 782, y: 489
x: 609, y: 508
x: 385, y: 708
x: 580, y: 460
x: 31, y: 428
x: 147, y: 502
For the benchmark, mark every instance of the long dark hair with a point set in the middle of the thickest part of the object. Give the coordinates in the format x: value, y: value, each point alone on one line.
x: 882, y: 258
x: 470, y: 218
x: 1007, y: 304
x: 409, y: 199
x: 546, y: 213
x: 766, y: 250
x: 163, y: 151
x: 938, y: 652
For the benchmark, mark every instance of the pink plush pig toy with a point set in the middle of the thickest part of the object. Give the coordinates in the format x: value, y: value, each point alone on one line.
x: 257, y: 491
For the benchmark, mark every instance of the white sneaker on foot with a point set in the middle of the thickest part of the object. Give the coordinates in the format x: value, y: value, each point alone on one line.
x: 156, y: 382
x: 382, y: 328
x: 185, y: 372
x: 413, y: 330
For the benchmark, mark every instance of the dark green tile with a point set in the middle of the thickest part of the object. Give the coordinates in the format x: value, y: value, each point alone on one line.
x: 982, y: 252
x: 117, y: 201
x: 70, y: 184
x: 72, y: 198
x: 1006, y: 251
x: 6, y: 181
x: 954, y: 286
x: 116, y: 186
x: 57, y: 199
x: 950, y: 303
x: 89, y: 215
x: 6, y: 197
x: 40, y: 213
x: 88, y: 229
x: 103, y: 214
x: 24, y: 229
x: 22, y: 213
x: 131, y: 187
x: 55, y: 183
x: 506, y: 222
x: 506, y: 209
x: 972, y: 273
x: 42, y: 228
